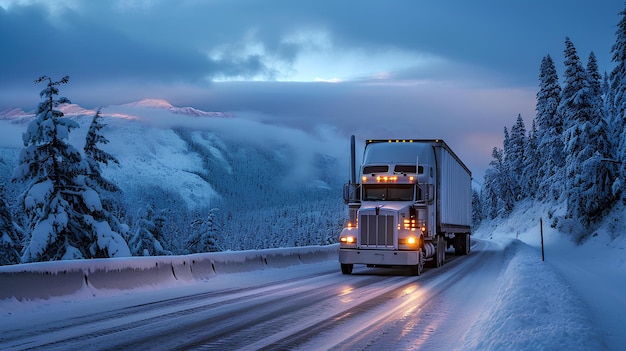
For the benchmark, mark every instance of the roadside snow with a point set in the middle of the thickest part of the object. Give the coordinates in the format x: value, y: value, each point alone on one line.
x: 571, y: 301
x: 533, y: 309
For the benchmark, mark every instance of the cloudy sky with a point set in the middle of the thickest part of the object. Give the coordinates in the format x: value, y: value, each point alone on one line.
x: 453, y: 69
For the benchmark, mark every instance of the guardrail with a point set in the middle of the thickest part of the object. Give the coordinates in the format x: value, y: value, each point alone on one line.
x: 43, y: 280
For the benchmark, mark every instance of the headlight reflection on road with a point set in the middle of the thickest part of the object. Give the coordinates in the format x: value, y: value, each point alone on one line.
x: 345, y: 295
x: 409, y: 290
x: 413, y: 318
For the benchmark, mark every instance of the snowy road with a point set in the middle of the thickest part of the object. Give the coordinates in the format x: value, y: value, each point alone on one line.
x: 308, y: 307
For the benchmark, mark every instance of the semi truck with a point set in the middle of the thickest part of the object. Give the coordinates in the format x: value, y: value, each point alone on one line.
x: 410, y: 204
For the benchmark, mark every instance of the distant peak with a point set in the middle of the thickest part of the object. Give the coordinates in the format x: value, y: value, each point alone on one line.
x: 165, y: 105
x: 14, y: 112
x: 75, y: 110
x: 152, y: 103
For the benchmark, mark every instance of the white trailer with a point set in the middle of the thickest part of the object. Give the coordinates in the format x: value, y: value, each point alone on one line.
x: 411, y: 202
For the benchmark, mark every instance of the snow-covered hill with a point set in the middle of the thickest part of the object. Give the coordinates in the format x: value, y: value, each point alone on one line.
x: 185, y: 161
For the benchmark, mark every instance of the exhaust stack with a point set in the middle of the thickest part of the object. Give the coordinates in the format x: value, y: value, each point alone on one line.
x: 352, y: 160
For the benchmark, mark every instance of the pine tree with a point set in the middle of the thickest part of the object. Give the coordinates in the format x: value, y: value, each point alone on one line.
x: 94, y: 156
x: 204, y: 234
x: 515, y: 158
x: 617, y: 93
x: 588, y: 186
x: 477, y: 208
x: 603, y: 163
x: 61, y: 209
x: 495, y: 189
x: 10, y: 236
x: 506, y: 146
x: 608, y: 111
x: 507, y: 184
x: 531, y: 164
x: 147, y: 238
x: 549, y: 133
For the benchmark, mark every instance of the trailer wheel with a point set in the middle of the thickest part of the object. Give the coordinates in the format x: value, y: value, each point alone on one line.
x: 346, y: 268
x: 462, y: 243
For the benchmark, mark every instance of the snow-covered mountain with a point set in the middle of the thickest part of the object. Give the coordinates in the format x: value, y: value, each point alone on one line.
x: 165, y: 105
x: 13, y: 113
x: 268, y: 181
x: 76, y: 110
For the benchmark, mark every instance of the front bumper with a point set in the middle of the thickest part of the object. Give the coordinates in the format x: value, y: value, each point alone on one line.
x: 379, y: 257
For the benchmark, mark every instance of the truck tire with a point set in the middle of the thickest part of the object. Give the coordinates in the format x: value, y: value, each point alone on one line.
x: 441, y: 251
x: 346, y: 268
x: 418, y: 268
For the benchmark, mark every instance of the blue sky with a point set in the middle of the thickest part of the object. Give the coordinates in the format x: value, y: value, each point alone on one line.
x: 452, y: 69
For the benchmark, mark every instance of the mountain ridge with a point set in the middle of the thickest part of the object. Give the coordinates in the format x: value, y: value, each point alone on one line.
x: 71, y: 110
x: 266, y: 180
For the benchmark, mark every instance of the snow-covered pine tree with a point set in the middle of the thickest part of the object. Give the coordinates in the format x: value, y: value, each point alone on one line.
x: 531, y: 164
x: 94, y: 156
x: 574, y: 111
x: 10, y: 236
x: 59, y: 206
x: 617, y: 94
x: 515, y: 158
x: 494, y: 187
x: 506, y: 146
x: 508, y: 183
x: 588, y: 181
x: 595, y: 78
x: 477, y: 208
x: 204, y: 234
x: 549, y: 133
x: 604, y: 161
x: 608, y: 111
x: 146, y: 240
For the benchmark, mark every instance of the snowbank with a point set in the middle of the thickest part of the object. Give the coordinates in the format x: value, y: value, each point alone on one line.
x: 47, y: 279
x: 578, y: 285
x: 533, y: 308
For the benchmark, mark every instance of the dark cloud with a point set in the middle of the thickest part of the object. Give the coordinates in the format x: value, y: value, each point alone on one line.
x: 81, y: 48
x: 169, y: 41
x: 481, y: 69
x: 503, y: 36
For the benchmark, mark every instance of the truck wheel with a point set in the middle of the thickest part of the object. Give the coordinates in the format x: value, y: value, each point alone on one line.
x: 346, y: 268
x: 418, y: 268
x: 441, y: 251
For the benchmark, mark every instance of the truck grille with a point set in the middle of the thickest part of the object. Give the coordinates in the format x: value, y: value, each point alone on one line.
x: 376, y: 231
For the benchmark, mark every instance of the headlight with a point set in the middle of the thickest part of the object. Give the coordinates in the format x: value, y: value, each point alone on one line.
x: 409, y: 241
x: 347, y: 239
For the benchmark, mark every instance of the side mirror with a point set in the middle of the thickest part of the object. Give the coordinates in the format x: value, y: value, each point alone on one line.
x: 351, y: 193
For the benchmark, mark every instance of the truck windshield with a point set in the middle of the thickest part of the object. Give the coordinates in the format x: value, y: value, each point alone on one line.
x: 388, y: 192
